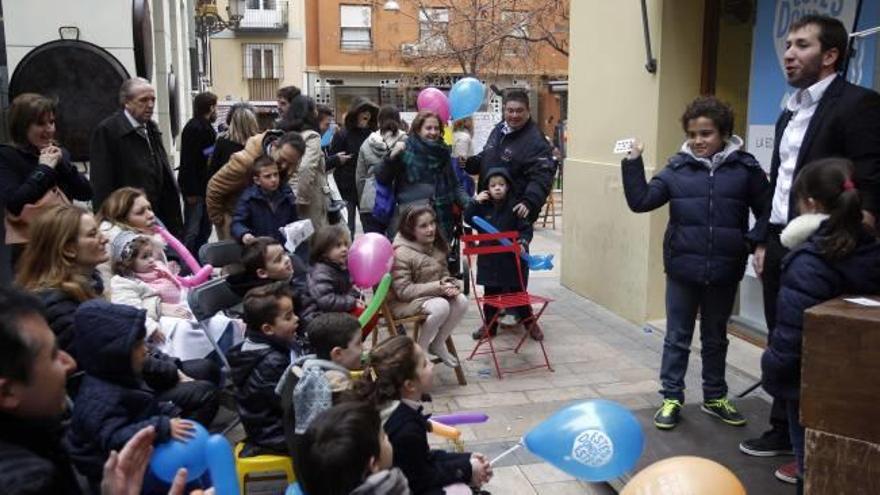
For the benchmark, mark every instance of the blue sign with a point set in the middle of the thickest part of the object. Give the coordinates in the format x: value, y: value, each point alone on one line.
x: 768, y: 89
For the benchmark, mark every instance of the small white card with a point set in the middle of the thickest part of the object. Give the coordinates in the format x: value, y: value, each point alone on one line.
x: 623, y: 146
x: 863, y: 301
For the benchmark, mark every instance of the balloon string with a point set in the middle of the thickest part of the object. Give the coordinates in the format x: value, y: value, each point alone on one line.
x: 505, y: 454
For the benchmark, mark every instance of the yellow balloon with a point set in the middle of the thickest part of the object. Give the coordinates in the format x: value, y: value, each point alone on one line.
x: 684, y: 475
x: 447, y: 135
x: 445, y: 431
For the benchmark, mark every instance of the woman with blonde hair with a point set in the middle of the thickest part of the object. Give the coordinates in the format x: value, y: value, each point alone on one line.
x: 59, y: 263
x: 242, y: 122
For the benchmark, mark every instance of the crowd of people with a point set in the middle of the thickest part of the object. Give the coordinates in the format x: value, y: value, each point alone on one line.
x: 100, y: 313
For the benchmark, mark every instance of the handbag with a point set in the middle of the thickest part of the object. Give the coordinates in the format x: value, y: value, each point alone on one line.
x: 18, y: 226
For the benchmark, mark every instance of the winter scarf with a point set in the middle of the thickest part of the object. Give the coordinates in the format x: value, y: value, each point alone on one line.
x: 164, y: 283
x: 430, y: 162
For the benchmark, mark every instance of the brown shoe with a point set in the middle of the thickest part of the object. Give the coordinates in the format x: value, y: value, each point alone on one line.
x: 535, y: 333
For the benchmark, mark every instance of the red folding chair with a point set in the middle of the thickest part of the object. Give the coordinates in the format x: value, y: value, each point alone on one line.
x: 476, y: 245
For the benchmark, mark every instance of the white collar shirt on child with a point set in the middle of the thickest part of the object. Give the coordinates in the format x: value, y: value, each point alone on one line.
x: 803, y: 105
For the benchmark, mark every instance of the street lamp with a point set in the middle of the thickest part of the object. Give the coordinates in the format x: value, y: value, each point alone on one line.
x: 208, y: 21
x: 391, y: 6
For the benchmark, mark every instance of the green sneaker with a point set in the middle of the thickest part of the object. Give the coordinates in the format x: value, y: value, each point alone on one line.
x: 724, y: 410
x: 666, y: 418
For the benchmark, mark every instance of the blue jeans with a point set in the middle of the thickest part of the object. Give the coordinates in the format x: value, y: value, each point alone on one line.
x: 714, y: 304
x: 196, y: 225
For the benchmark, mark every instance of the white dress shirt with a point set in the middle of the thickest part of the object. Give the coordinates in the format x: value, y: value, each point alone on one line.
x: 803, y: 105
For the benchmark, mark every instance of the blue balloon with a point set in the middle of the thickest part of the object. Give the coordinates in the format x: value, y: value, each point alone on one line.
x: 465, y: 98
x: 173, y: 455
x: 221, y: 465
x: 294, y: 489
x: 327, y: 137
x: 536, y: 262
x: 596, y: 440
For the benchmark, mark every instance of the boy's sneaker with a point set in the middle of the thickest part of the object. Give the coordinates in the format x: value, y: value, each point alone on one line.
x: 724, y: 410
x: 478, y: 333
x: 508, y: 320
x: 666, y: 418
x: 787, y: 473
x: 770, y: 444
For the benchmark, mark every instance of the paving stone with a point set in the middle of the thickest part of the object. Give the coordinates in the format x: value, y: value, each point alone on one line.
x: 624, y: 388
x: 510, y: 481
x: 544, y: 473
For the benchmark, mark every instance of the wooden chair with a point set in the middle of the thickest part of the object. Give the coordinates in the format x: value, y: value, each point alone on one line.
x: 391, y: 323
x: 549, y: 211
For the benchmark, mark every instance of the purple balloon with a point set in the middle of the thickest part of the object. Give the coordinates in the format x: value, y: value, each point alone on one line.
x: 462, y: 418
x: 369, y: 258
x: 434, y: 100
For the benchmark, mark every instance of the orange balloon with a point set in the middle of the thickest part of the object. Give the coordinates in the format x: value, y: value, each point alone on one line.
x: 445, y: 431
x: 684, y: 475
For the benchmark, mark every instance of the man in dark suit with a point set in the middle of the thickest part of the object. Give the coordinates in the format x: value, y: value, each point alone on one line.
x: 127, y: 150
x: 825, y: 117
x: 196, y: 145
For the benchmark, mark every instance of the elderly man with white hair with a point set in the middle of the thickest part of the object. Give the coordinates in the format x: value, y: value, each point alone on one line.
x: 127, y: 150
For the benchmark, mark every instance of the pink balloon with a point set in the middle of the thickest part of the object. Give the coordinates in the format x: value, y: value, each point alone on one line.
x: 369, y: 258
x: 200, y: 275
x: 434, y: 100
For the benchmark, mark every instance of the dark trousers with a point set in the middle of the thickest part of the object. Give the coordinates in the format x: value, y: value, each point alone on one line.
x: 198, y: 399
x: 370, y: 224
x: 683, y: 301
x: 196, y: 225
x: 351, y: 204
x: 770, y: 280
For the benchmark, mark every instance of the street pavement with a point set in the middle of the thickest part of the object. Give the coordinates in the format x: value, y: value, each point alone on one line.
x: 594, y: 353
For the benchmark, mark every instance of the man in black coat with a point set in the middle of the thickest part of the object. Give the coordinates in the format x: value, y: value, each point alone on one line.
x: 826, y: 117
x: 33, y: 373
x: 518, y: 145
x: 196, y: 146
x: 127, y: 150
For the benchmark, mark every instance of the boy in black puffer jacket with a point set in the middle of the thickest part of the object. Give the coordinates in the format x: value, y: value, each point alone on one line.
x: 497, y: 273
x: 710, y: 186
x: 113, y: 403
x: 258, y: 364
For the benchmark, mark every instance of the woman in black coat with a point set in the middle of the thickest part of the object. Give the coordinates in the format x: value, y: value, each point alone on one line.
x: 360, y: 121
x: 33, y: 166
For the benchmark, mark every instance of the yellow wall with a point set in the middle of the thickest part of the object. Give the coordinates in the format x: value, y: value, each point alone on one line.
x: 611, y: 255
x: 227, y: 75
x: 734, y: 67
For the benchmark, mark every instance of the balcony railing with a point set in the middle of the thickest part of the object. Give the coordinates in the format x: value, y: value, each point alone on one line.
x: 261, y: 15
x: 263, y: 89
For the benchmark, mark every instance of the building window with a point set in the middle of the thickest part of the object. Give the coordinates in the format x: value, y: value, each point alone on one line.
x: 355, y: 27
x: 519, y: 30
x: 262, y: 69
x: 261, y: 5
x: 433, y: 24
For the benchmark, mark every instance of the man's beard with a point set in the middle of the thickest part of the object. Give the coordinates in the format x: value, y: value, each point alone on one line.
x: 809, y: 74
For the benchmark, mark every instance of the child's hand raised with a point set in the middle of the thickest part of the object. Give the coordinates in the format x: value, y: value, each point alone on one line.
x: 481, y: 470
x: 636, y: 150
x: 482, y: 197
x: 182, y: 429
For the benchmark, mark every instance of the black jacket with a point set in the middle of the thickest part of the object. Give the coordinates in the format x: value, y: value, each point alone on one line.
x: 160, y: 370
x: 427, y: 471
x: 112, y: 403
x: 23, y: 180
x: 329, y: 290
x: 706, y: 239
x: 499, y: 270
x: 33, y: 459
x: 257, y: 366
x: 196, y: 146
x: 347, y: 141
x: 846, y: 124
x: 121, y: 157
x: 223, y: 150
x: 527, y: 156
x: 808, y: 279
